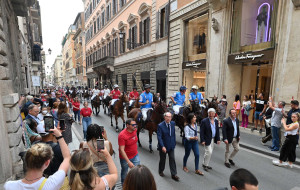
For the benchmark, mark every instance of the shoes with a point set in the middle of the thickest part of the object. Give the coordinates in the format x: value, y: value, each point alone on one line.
x: 277, y: 163
x: 227, y: 165
x: 253, y: 129
x: 204, y: 167
x: 185, y: 169
x: 271, y: 147
x: 260, y: 131
x: 199, y: 172
x: 208, y: 167
x: 162, y: 174
x: 275, y: 149
x: 231, y: 162
x: 290, y: 165
x: 175, y: 178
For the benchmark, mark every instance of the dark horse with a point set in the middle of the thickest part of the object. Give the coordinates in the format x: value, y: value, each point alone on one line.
x: 73, y: 95
x: 86, y: 95
x: 118, y: 110
x: 135, y: 105
x: 157, y: 117
x: 96, y: 102
x: 105, y: 104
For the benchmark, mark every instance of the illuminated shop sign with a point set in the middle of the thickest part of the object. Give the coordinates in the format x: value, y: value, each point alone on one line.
x: 251, y: 57
x: 201, y: 64
x: 248, y: 56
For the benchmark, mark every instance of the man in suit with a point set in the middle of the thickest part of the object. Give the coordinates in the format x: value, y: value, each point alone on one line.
x: 166, y: 145
x: 231, y: 136
x: 209, y: 134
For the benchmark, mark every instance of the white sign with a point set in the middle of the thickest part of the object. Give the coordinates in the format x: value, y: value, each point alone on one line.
x: 35, y: 80
x: 248, y: 56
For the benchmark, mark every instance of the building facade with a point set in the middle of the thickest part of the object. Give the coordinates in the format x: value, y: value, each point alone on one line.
x: 127, y: 43
x: 68, y: 55
x: 58, y: 70
x: 81, y: 79
x: 235, y: 47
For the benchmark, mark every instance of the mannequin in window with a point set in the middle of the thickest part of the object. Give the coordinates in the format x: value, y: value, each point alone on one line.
x: 262, y: 18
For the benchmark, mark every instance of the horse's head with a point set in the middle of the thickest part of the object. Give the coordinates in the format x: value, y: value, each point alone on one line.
x: 160, y: 107
x: 123, y: 97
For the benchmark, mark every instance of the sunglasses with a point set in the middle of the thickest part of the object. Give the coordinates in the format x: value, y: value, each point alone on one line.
x: 134, y: 125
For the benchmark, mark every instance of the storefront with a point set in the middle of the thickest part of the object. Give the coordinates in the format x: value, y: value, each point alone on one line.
x: 194, y: 64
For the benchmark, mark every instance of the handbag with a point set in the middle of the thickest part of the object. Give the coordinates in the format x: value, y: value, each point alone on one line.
x: 268, y: 123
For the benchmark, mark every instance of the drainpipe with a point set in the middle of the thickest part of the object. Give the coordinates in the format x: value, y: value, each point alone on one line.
x: 168, y: 53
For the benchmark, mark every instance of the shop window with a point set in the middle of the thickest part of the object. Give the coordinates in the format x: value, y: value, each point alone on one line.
x: 253, y: 25
x: 196, y: 38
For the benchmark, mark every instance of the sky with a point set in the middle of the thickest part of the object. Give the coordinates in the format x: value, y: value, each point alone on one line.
x: 57, y: 16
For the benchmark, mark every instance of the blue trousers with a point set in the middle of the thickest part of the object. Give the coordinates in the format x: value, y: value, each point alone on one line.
x: 275, y: 138
x: 124, y: 166
x: 86, y: 121
x: 188, y: 146
x: 77, y: 115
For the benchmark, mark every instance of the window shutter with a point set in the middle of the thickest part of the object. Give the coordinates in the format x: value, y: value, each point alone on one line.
x: 141, y: 32
x: 129, y: 39
x: 135, y: 36
x: 121, y: 41
x: 167, y: 19
x: 147, y: 30
x: 116, y: 47
x: 157, y: 24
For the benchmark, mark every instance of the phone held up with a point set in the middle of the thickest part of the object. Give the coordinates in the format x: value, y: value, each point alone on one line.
x: 62, y: 124
x: 49, y: 123
x: 100, y: 144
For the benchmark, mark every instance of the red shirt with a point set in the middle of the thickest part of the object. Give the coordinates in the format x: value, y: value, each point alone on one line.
x: 129, y: 140
x: 133, y: 95
x: 86, y: 112
x: 115, y: 94
x: 76, y: 104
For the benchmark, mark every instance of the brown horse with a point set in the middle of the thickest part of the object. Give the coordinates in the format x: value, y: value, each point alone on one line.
x: 135, y: 105
x: 96, y: 102
x: 118, y: 110
x: 156, y: 118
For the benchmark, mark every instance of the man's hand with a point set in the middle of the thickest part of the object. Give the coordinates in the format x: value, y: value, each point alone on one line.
x: 203, y: 143
x: 147, y: 102
x: 260, y: 114
x: 164, y: 149
x: 226, y: 141
x: 130, y: 164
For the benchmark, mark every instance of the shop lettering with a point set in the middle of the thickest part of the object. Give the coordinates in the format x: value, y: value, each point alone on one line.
x: 248, y: 56
x: 193, y: 64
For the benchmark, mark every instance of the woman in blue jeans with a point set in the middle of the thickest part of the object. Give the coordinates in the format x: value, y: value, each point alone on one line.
x: 86, y: 119
x: 191, y: 143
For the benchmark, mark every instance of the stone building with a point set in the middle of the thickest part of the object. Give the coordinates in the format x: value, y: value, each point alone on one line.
x: 68, y: 55
x: 248, y: 47
x: 58, y: 71
x: 127, y: 43
x: 78, y: 38
x: 16, y: 50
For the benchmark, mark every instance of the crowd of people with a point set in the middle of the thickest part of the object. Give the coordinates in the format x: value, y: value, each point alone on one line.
x: 48, y: 160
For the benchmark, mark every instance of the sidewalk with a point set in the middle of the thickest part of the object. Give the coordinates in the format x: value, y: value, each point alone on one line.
x: 252, y: 141
x: 74, y: 145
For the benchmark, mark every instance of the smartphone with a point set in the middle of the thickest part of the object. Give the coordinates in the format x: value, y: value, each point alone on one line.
x: 100, y: 144
x: 49, y: 123
x: 62, y: 124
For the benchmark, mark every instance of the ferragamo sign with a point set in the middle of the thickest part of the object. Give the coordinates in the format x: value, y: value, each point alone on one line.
x: 263, y: 56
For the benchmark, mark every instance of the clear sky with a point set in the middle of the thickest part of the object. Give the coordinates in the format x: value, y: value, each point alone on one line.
x: 57, y: 16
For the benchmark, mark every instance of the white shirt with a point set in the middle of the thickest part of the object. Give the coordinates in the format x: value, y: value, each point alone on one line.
x: 106, y: 92
x: 96, y: 92
x: 234, y: 126
x: 54, y: 182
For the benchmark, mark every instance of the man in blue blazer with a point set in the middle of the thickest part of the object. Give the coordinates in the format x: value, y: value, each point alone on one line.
x: 209, y: 134
x: 166, y: 145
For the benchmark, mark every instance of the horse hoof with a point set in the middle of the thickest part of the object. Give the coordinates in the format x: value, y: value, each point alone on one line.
x: 151, y: 151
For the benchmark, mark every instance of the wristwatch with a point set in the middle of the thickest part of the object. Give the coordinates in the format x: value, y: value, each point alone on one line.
x: 57, y: 138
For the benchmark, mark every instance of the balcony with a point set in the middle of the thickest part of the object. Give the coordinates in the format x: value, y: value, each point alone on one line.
x: 104, y: 61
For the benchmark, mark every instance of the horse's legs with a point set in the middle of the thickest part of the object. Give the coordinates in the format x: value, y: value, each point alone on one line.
x: 123, y: 121
x: 150, y: 141
x: 117, y: 128
x: 138, y: 135
x: 111, y: 123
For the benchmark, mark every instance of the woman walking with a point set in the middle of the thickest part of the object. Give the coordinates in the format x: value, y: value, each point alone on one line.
x: 76, y: 109
x: 245, y: 111
x: 191, y: 142
x: 86, y: 120
x: 288, y: 150
x: 64, y: 115
x: 237, y: 105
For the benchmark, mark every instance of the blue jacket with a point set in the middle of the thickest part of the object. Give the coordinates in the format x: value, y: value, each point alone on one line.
x: 206, y: 133
x: 164, y: 138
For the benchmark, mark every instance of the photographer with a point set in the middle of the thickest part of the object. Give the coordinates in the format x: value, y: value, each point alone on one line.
x: 95, y: 132
x: 63, y: 114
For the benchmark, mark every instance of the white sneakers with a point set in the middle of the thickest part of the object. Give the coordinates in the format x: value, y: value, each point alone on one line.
x: 283, y: 164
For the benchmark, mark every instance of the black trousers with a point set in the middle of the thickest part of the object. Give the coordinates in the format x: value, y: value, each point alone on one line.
x: 162, y: 161
x: 288, y: 149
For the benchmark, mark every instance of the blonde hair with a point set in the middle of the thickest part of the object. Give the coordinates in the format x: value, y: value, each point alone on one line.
x: 37, y: 155
x: 298, y: 115
x: 82, y: 171
x: 55, y: 105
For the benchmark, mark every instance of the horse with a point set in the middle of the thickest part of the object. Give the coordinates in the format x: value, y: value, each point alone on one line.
x: 118, y: 110
x: 86, y: 95
x: 157, y: 117
x: 96, y: 102
x: 135, y: 105
x: 210, y: 105
x: 105, y: 104
x: 73, y: 94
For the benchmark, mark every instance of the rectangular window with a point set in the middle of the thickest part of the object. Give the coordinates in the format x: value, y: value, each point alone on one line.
x: 132, y: 40
x: 122, y: 3
x: 103, y: 18
x: 91, y: 10
x: 122, y: 43
x: 114, y: 6
x: 98, y: 23
x: 95, y: 27
x: 108, y: 14
x: 162, y: 22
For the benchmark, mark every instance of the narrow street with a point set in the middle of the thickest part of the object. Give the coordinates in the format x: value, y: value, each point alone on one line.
x: 270, y: 177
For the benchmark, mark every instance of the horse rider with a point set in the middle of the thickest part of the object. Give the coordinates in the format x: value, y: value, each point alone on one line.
x: 106, y: 91
x: 133, y: 96
x: 146, y: 102
x: 195, y: 96
x: 96, y: 92
x: 178, y: 99
x: 115, y: 94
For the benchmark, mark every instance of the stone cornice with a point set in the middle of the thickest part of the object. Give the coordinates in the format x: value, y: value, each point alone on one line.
x: 186, y: 9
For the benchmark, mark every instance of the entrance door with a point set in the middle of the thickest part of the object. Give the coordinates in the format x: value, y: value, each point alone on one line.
x: 161, y: 88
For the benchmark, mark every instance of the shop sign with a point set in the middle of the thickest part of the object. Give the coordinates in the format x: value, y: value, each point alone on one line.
x: 194, y: 64
x: 251, y: 57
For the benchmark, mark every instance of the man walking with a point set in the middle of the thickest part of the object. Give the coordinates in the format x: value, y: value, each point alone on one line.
x: 166, y: 145
x: 276, y: 123
x: 231, y: 136
x: 209, y: 134
x: 128, y: 152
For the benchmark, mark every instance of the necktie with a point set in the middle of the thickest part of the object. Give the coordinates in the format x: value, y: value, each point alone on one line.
x: 169, y: 129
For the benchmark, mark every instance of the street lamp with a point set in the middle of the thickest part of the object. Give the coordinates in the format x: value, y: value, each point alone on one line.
x: 121, y: 34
